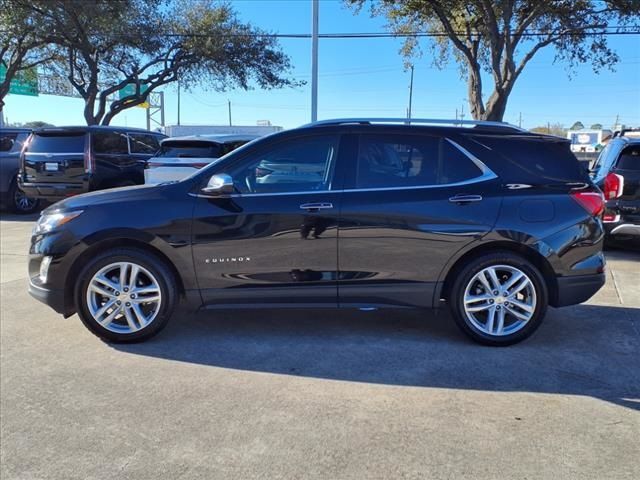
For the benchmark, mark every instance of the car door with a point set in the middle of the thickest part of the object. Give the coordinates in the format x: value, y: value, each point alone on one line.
x: 410, y: 202
x: 274, y: 240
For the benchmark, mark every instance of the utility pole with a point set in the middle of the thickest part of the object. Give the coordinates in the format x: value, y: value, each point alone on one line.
x: 178, y: 102
x: 462, y: 114
x: 410, y: 94
x: 520, y: 120
x: 314, y: 60
x: 229, y: 103
x: 615, y: 125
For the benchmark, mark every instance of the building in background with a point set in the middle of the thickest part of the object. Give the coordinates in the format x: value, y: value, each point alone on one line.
x: 183, y: 130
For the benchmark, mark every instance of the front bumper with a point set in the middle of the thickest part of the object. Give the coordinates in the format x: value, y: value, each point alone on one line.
x: 577, y: 289
x: 52, y: 297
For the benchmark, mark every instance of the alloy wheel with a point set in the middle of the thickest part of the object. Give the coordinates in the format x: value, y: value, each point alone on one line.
x: 500, y: 300
x: 22, y: 202
x: 124, y: 297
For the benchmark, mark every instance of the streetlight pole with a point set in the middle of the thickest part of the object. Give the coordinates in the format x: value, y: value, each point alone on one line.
x: 410, y: 94
x: 314, y: 60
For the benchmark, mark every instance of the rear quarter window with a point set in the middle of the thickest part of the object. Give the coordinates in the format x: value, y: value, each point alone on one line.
x: 69, y: 143
x: 143, y: 143
x: 529, y: 159
x: 114, y: 143
x: 629, y: 158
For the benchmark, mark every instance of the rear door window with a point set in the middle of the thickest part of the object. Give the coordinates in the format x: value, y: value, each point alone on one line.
x: 143, y: 143
x: 67, y: 143
x: 396, y: 160
x: 112, y: 143
x: 187, y: 149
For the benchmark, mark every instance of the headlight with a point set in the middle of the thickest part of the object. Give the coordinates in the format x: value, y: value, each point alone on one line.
x: 51, y: 221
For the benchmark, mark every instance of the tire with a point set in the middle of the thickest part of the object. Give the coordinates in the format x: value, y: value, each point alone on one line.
x: 139, y: 316
x: 476, y: 318
x: 19, y: 202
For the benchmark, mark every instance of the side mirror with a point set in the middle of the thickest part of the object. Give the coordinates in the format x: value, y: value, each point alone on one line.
x: 219, y: 185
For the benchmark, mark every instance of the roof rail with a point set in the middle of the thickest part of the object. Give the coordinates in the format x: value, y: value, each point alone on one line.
x: 624, y: 131
x: 412, y: 121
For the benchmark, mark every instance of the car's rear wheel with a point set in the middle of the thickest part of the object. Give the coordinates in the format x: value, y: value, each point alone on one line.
x: 499, y: 298
x: 20, y: 202
x: 125, y: 295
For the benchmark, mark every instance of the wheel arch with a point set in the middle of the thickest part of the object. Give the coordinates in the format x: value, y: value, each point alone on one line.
x: 528, y: 252
x: 115, y: 242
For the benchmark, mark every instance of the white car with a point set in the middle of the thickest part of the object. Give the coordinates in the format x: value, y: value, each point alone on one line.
x: 179, y: 157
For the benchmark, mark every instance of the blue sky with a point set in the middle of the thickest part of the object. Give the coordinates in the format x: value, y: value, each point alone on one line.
x: 365, y: 77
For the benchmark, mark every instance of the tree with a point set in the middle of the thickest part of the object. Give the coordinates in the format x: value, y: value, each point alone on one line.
x: 556, y: 129
x: 146, y: 44
x: 577, y: 126
x: 500, y: 37
x: 596, y: 126
x: 23, y: 43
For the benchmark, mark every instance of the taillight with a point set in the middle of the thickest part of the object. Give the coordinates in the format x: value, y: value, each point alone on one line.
x: 89, y: 159
x: 613, y: 186
x: 592, y: 202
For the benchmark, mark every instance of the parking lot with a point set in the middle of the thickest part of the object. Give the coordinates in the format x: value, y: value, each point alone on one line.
x: 308, y: 394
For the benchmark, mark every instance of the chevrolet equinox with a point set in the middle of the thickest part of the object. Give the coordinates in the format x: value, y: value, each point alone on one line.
x: 493, y: 221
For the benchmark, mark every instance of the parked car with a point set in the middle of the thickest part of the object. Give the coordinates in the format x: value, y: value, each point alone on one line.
x: 64, y: 161
x: 179, y: 157
x: 617, y: 173
x: 11, y: 195
x: 494, y: 221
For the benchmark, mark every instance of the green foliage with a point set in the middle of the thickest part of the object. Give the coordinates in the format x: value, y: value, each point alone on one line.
x: 577, y: 126
x: 500, y: 37
x: 596, y: 126
x: 556, y: 129
x: 104, y: 45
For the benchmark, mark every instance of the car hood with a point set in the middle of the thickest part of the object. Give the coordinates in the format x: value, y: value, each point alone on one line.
x: 111, y: 195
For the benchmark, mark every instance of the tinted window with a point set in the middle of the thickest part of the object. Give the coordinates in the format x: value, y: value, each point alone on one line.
x: 303, y: 164
x: 185, y: 149
x: 456, y: 166
x: 629, y: 158
x: 110, y: 143
x: 521, y: 159
x: 141, y: 143
x: 7, y: 141
x: 69, y: 143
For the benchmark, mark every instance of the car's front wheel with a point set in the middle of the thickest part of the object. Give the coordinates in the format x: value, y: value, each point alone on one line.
x: 499, y: 298
x: 125, y: 295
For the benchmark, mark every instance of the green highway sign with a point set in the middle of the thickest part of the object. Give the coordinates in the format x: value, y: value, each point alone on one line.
x: 24, y: 83
x: 130, y: 89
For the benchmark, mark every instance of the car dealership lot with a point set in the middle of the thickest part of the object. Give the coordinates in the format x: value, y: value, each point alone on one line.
x: 319, y: 394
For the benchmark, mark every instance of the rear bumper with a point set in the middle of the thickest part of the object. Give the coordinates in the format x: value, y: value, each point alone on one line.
x: 53, y: 191
x: 577, y: 289
x: 623, y: 228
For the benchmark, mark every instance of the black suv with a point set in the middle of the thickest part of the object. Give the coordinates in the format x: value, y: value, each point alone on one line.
x: 617, y: 173
x: 494, y: 221
x: 11, y: 143
x: 65, y: 161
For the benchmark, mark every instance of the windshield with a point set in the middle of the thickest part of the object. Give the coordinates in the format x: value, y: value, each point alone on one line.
x: 190, y: 150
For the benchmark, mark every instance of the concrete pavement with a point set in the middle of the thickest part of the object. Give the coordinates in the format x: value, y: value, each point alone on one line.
x: 329, y: 394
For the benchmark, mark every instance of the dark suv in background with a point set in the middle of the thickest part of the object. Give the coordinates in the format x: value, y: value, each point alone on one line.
x: 494, y: 221
x: 11, y: 196
x: 64, y: 161
x: 617, y: 173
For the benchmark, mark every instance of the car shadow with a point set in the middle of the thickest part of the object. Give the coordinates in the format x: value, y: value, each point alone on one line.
x: 584, y: 350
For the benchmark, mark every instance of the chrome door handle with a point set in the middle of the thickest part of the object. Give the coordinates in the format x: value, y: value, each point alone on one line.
x: 316, y: 206
x: 465, y: 198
